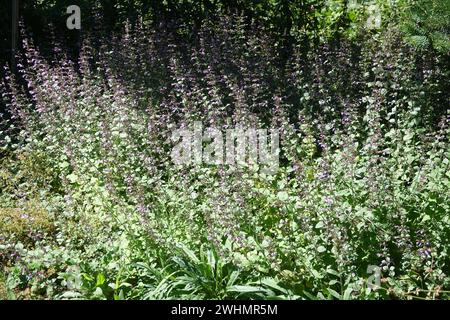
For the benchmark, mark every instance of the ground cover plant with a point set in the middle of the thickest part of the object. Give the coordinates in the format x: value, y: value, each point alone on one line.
x: 92, y: 206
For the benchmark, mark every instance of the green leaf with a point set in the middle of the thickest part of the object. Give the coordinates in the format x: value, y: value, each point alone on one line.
x: 333, y: 272
x: 270, y: 282
x: 309, y: 295
x: 100, y: 279
x: 71, y: 295
x: 321, y: 249
x: 334, y: 293
x: 190, y: 254
x: 72, y: 178
x: 282, y: 196
x: 347, y: 293
x: 232, y: 279
x: 245, y: 289
x: 63, y: 164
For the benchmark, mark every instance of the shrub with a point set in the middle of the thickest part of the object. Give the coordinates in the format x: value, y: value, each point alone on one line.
x: 26, y: 224
x: 363, y: 179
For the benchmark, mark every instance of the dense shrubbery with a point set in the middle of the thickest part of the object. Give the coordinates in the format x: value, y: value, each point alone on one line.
x: 91, y: 205
x: 426, y: 24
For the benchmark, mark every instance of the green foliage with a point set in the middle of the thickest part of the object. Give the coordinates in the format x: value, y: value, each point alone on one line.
x: 427, y: 24
x: 187, y: 275
x: 92, y: 207
x: 25, y: 222
x: 3, y: 289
